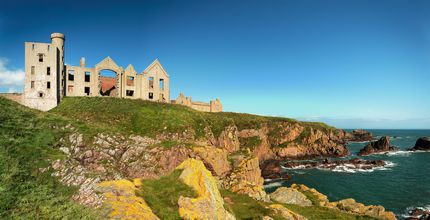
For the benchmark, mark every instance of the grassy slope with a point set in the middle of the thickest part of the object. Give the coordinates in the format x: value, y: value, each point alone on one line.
x: 149, y: 118
x: 27, y: 143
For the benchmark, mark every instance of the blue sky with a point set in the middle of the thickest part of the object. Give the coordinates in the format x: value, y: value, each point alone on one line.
x: 353, y: 64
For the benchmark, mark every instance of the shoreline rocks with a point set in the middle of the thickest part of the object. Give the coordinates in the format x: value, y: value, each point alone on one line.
x: 379, y: 146
x: 418, y: 213
x: 423, y: 143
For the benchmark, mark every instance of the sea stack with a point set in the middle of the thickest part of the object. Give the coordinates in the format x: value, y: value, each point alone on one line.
x: 379, y: 146
x: 423, y: 143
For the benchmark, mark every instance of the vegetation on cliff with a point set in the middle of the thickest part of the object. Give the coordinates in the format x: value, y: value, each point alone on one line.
x: 27, y: 145
x: 150, y: 119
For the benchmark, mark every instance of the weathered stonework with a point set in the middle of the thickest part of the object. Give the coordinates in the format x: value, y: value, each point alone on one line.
x: 48, y: 79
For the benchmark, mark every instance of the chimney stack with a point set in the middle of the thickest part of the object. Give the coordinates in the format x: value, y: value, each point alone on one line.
x: 82, y: 62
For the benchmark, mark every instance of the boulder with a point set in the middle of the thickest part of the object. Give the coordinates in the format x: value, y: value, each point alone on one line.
x: 122, y: 201
x: 379, y: 146
x: 423, y: 143
x: 208, y: 204
x: 290, y: 196
x: 285, y: 213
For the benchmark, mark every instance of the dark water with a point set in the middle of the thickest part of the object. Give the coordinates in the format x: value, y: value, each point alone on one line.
x: 403, y: 185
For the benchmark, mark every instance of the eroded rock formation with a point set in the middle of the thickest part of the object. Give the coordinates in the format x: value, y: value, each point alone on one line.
x: 379, y: 146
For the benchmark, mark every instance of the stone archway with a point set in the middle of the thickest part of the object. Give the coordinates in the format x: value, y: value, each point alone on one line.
x: 109, y: 64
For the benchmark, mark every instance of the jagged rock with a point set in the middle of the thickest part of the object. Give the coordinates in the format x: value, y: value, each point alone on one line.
x: 423, y: 143
x: 246, y: 179
x: 381, y: 145
x: 216, y: 158
x: 209, y: 204
x: 120, y: 197
x: 285, y: 213
x: 290, y: 196
x: 229, y: 139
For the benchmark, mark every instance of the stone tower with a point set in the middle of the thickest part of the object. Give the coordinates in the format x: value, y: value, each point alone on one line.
x: 44, y: 73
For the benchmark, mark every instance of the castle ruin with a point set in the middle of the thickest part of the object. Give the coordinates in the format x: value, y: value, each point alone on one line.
x: 48, y: 79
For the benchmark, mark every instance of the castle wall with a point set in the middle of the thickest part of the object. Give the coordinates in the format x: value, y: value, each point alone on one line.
x: 212, y: 106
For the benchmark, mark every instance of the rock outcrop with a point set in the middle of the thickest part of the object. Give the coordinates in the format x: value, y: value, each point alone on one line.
x: 359, y: 136
x: 209, y: 204
x: 346, y: 205
x: 379, y: 146
x: 290, y: 196
x: 246, y: 179
x: 215, y: 159
x: 423, y: 143
x: 120, y: 198
x: 285, y: 213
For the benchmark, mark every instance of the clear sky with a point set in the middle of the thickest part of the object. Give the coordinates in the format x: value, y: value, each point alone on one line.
x: 353, y: 64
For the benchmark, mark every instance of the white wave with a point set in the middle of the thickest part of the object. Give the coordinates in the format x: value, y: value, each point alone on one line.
x: 347, y: 168
x: 275, y: 184
x: 399, y: 153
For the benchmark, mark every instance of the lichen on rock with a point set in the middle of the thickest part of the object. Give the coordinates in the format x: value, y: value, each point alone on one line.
x: 120, y: 198
x: 208, y: 204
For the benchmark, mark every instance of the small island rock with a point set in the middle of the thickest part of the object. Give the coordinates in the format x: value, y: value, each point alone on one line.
x: 379, y: 146
x: 423, y: 143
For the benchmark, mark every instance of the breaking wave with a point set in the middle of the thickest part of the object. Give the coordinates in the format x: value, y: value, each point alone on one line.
x: 347, y: 168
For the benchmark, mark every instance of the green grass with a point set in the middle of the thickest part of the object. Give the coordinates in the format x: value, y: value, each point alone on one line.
x: 27, y: 143
x: 244, y: 207
x: 162, y: 194
x: 250, y: 142
x: 92, y: 115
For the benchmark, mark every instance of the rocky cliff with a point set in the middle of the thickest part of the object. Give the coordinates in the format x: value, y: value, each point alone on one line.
x: 107, y: 139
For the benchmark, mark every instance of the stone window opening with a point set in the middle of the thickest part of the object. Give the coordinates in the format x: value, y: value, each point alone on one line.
x: 48, y: 70
x: 40, y: 57
x: 32, y: 70
x: 32, y: 46
x: 130, y: 81
x: 32, y: 84
x: 49, y: 47
x: 87, y: 90
x: 71, y: 75
x: 129, y: 92
x: 151, y: 82
x: 40, y: 94
x: 70, y: 89
x: 48, y: 85
x: 87, y: 76
x: 151, y: 95
x: 161, y: 84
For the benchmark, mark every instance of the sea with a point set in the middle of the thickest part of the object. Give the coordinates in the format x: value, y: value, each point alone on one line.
x: 403, y: 184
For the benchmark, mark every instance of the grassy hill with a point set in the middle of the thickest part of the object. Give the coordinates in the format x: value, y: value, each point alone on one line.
x: 147, y: 118
x: 27, y: 143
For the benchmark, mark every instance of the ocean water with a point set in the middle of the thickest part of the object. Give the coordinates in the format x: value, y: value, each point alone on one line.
x: 403, y: 184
